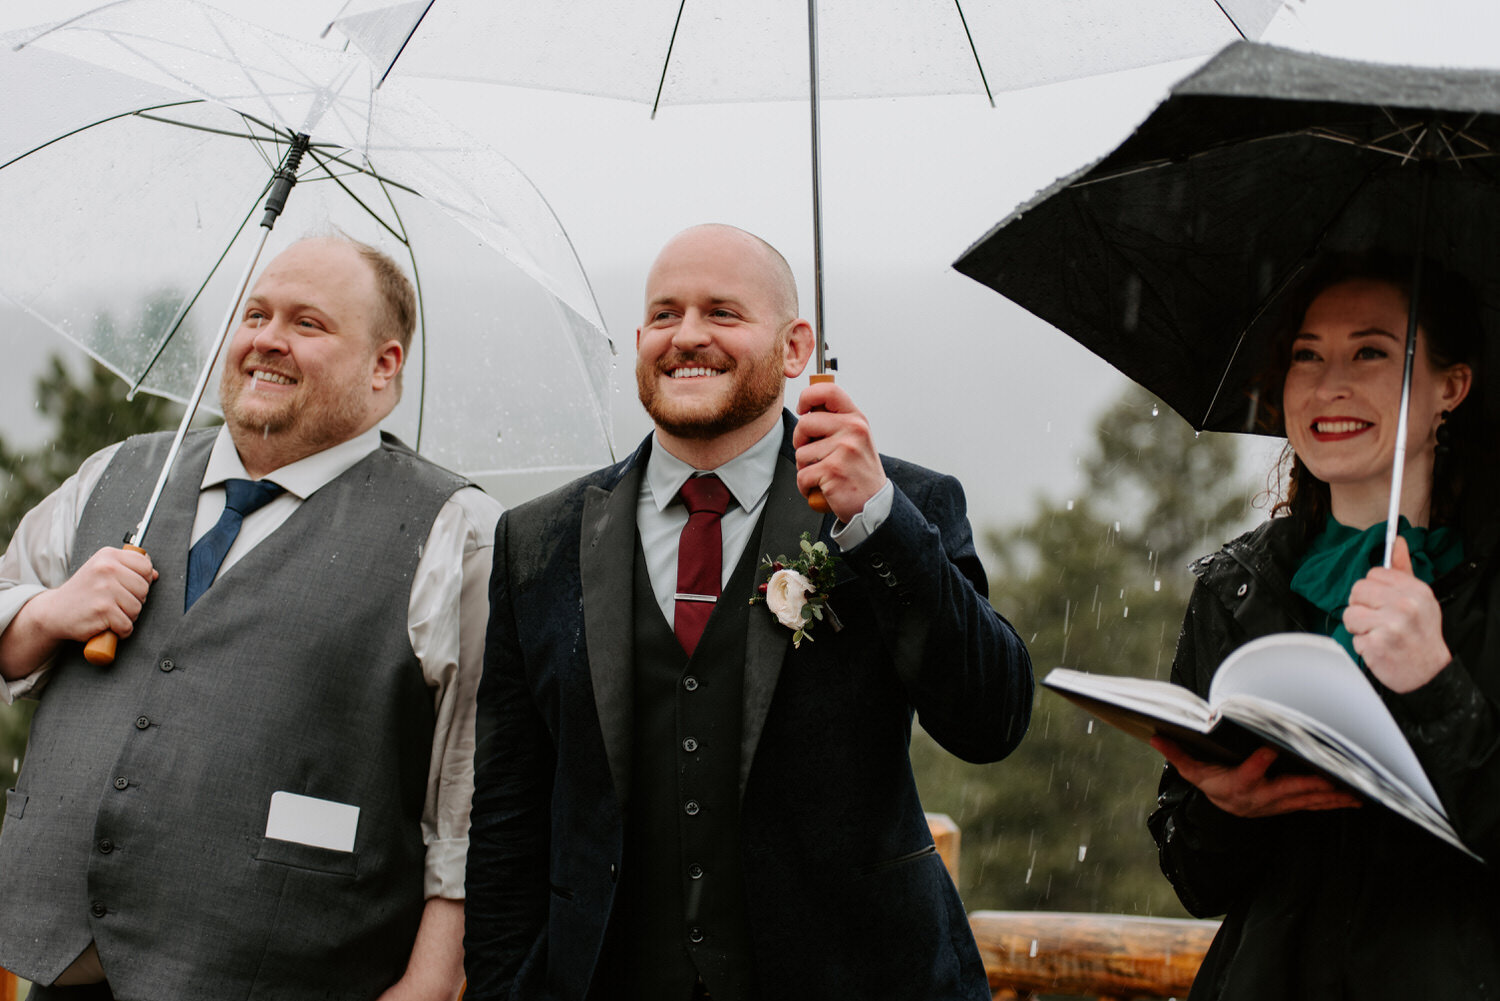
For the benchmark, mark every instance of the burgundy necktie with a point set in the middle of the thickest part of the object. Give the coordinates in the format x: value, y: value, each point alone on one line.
x: 700, y: 558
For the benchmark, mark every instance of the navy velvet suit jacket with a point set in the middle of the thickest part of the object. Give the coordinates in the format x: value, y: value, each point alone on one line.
x: 846, y: 896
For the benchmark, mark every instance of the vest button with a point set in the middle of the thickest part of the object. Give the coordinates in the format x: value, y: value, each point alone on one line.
x: 141, y: 722
x: 166, y: 665
x: 690, y: 683
x: 106, y: 846
x: 121, y: 782
x: 695, y: 871
x: 690, y: 745
x: 691, y: 808
x: 97, y: 909
x: 695, y: 934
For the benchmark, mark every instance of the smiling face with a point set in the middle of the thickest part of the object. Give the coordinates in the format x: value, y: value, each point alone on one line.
x: 720, y: 338
x: 1342, y: 400
x: 304, y: 370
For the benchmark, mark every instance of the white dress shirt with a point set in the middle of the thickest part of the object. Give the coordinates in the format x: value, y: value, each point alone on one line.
x: 447, y: 612
x: 660, y: 520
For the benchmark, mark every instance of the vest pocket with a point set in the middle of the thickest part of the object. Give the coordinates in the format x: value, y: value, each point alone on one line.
x: 310, y: 857
x: 15, y: 803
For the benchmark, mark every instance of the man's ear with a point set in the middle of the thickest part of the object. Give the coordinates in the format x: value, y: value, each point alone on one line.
x: 800, y: 342
x: 389, y: 358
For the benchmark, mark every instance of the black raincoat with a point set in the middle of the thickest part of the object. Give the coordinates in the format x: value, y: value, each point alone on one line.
x: 1355, y: 903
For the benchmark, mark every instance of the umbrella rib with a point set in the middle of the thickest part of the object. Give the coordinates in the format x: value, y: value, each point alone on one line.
x: 416, y: 280
x: 671, y: 42
x: 82, y: 128
x: 166, y: 338
x: 977, y: 63
x: 359, y: 201
x: 1232, y: 22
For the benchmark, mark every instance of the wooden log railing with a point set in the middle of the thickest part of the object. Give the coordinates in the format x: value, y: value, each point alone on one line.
x: 1110, y: 957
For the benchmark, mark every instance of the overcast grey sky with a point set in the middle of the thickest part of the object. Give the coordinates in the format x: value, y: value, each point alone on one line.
x: 951, y: 374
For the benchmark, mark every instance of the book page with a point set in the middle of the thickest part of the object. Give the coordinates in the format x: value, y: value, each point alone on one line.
x: 1159, y: 699
x: 1316, y: 677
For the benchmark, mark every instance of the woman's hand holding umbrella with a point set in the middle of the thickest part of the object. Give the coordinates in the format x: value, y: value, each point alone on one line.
x: 1245, y: 790
x: 1397, y: 625
x: 105, y: 595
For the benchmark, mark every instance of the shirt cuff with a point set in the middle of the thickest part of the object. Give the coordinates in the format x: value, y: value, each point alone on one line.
x: 444, y: 875
x: 865, y: 524
x: 11, y: 600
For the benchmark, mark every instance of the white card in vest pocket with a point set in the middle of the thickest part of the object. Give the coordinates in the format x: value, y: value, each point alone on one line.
x: 306, y: 820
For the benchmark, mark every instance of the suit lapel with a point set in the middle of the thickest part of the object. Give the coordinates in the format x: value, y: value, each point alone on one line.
x: 767, y: 641
x: 606, y: 569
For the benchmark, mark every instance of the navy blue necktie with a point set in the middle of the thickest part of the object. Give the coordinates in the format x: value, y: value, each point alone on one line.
x: 241, y: 497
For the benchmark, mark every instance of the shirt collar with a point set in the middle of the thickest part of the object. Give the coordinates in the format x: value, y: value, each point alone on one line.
x: 301, y: 478
x: 748, y: 475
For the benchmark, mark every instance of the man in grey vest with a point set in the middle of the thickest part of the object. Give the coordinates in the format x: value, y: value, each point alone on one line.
x: 266, y: 795
x: 679, y: 795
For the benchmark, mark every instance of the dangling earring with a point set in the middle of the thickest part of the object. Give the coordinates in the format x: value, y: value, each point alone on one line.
x: 1444, y: 437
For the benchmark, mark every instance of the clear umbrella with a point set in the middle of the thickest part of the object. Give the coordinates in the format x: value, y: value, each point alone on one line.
x: 132, y: 175
x: 154, y: 196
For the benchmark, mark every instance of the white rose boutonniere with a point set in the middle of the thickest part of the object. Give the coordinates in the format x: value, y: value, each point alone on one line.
x: 796, y: 590
x: 786, y: 596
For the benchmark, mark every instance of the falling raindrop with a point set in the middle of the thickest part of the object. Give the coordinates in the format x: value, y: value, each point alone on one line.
x: 1117, y: 526
x: 1082, y: 851
x: 1127, y: 613
x: 1091, y: 726
x: 1156, y: 586
x: 1070, y: 505
x: 1033, y: 948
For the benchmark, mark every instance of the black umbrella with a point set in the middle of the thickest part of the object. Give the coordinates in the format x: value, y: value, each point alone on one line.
x: 1167, y: 257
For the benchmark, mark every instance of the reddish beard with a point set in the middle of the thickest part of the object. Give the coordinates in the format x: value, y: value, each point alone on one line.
x: 754, y: 388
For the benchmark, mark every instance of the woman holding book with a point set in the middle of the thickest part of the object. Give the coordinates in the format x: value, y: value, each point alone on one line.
x: 1326, y: 897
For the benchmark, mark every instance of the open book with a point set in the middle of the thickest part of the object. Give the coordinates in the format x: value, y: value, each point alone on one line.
x: 1299, y: 692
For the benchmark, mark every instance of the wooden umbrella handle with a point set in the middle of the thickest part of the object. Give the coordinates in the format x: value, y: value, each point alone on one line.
x: 100, y: 650
x: 815, y: 498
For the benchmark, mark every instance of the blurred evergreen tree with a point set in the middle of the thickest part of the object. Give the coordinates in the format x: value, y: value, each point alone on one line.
x: 1100, y: 584
x: 88, y: 411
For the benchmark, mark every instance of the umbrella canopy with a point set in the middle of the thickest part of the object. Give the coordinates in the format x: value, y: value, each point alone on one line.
x: 131, y: 180
x: 1167, y: 258
x: 677, y: 52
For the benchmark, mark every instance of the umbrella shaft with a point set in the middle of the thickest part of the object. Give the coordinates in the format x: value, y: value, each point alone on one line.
x: 197, y: 397
x: 820, y: 355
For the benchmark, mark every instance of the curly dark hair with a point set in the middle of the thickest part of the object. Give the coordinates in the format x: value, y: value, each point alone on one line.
x: 1448, y: 314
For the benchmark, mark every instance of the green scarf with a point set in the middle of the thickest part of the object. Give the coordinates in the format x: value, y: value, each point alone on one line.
x: 1341, y: 557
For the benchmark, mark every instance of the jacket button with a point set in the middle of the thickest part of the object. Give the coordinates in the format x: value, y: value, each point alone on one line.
x: 695, y: 934
x: 141, y: 722
x: 690, y: 683
x: 121, y: 782
x: 166, y: 665
x: 106, y: 846
x: 690, y: 745
x: 1243, y: 590
x: 695, y: 871
x: 691, y: 808
x: 97, y: 909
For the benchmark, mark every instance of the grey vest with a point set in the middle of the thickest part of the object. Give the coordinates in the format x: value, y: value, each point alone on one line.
x: 139, y: 817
